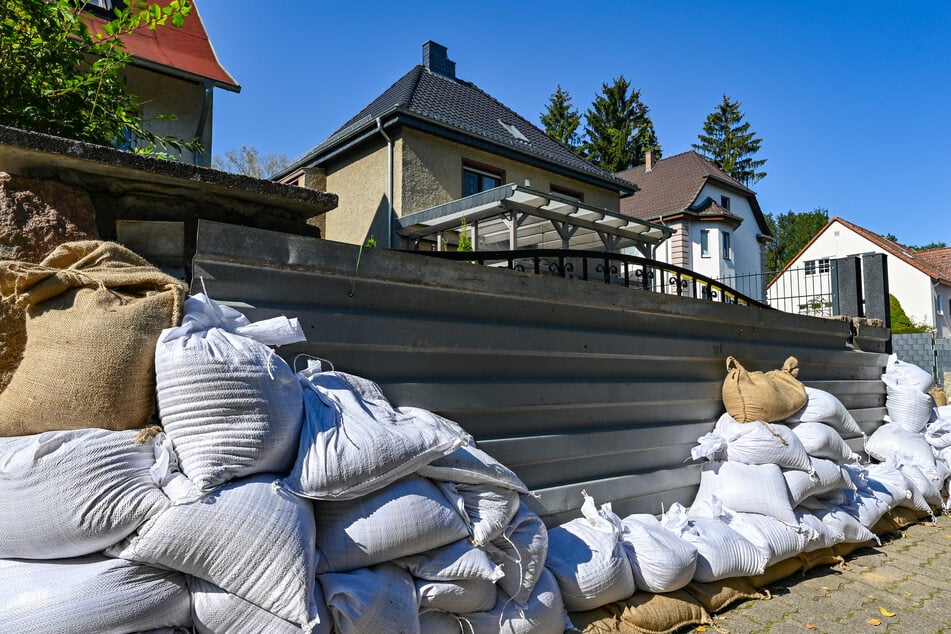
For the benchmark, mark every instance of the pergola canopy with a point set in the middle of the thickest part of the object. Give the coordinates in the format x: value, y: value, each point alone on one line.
x: 517, y: 217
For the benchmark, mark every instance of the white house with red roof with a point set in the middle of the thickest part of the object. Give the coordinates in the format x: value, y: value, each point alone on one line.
x: 174, y: 72
x: 920, y: 280
x: 720, y: 229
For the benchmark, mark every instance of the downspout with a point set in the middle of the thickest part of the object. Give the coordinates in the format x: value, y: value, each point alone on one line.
x: 206, y: 105
x: 389, y: 184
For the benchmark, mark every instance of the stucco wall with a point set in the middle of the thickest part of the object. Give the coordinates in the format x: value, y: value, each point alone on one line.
x: 360, y: 184
x: 163, y: 95
x: 432, y: 174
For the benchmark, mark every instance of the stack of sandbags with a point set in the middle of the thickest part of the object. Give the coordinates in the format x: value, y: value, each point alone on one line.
x: 75, y: 472
x: 916, y: 435
x: 779, y: 482
x: 416, y: 527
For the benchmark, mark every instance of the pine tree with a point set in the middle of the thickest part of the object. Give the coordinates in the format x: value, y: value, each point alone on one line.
x: 728, y: 143
x: 561, y: 120
x: 618, y: 128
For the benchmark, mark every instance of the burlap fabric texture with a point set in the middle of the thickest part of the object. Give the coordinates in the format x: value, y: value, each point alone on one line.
x: 94, y: 311
x: 763, y: 396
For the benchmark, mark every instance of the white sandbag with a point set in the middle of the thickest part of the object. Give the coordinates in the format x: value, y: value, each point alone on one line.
x: 823, y: 407
x: 823, y: 441
x: 818, y: 534
x: 777, y: 541
x: 866, y: 508
x: 827, y: 477
x: 938, y: 433
x: 521, y: 551
x: 907, y: 406
x: 455, y: 561
x: 721, y: 551
x: 586, y: 557
x: 842, y: 522
x: 230, y: 405
x: 752, y: 443
x: 894, y: 441
x: 407, y: 517
x: 354, y: 442
x: 908, y: 374
x: 747, y: 488
x: 249, y: 537
x: 837, y: 497
x: 487, y: 509
x: 90, y: 594
x: 381, y: 598
x: 470, y: 465
x: 660, y: 560
x: 543, y: 613
x: 71, y: 493
x: 462, y: 595
x: 884, y: 478
x: 436, y: 622
x: 919, y: 480
x: 215, y: 610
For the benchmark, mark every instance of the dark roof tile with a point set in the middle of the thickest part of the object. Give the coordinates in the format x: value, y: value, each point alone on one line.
x: 462, y: 106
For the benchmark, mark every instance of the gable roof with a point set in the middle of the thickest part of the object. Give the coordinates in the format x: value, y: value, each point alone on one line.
x: 184, y: 51
x: 932, y: 263
x: 461, y: 111
x: 938, y: 259
x: 673, y: 184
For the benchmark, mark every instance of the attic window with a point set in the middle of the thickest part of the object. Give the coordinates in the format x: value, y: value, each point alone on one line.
x: 513, y: 131
x: 725, y: 202
x: 104, y: 8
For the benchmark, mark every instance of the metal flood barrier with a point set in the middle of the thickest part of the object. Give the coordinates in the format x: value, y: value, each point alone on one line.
x: 574, y: 386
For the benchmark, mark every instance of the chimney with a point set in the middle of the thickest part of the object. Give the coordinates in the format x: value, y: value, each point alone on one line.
x: 436, y: 60
x: 649, y: 161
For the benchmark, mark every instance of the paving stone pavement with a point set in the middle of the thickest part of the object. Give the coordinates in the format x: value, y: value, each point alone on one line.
x: 909, y: 575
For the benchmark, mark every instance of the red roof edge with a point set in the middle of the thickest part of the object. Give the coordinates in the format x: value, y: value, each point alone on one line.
x: 184, y: 51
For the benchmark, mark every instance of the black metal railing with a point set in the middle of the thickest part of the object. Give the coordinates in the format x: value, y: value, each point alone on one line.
x: 610, y: 268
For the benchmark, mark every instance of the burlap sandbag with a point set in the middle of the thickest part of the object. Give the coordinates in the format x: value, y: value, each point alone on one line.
x: 940, y: 396
x: 94, y: 311
x: 763, y: 396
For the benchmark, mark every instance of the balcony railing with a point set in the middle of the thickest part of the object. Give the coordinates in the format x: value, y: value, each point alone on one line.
x: 618, y: 269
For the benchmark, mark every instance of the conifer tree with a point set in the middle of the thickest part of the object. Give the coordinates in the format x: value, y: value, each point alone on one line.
x: 726, y: 141
x: 618, y: 128
x: 561, y: 119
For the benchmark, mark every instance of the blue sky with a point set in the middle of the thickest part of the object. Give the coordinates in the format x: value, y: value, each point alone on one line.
x: 851, y: 99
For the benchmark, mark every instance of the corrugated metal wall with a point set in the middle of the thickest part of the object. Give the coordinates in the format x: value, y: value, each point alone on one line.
x: 574, y: 385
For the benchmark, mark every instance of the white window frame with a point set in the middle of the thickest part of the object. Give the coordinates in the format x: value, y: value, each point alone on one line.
x: 727, y: 246
x: 704, y: 243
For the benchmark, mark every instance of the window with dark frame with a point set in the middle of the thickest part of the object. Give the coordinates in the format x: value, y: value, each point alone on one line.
x: 477, y: 177
x: 725, y: 202
x: 704, y: 243
x: 727, y: 249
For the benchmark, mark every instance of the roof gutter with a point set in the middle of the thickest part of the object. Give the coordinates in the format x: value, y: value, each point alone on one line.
x: 389, y: 183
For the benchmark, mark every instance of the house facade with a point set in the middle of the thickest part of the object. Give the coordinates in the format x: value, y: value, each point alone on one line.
x: 174, y: 71
x: 431, y: 139
x: 920, y: 280
x: 720, y: 229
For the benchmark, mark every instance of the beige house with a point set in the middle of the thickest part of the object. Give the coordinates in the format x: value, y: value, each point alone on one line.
x: 174, y: 71
x: 434, y: 150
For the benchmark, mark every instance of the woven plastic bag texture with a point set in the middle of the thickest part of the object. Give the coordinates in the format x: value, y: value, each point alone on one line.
x: 230, y: 405
x: 75, y: 492
x: 90, y: 594
x: 354, y: 442
x: 249, y: 537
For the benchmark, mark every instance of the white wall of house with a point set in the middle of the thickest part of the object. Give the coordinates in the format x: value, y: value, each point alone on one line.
x: 913, y: 289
